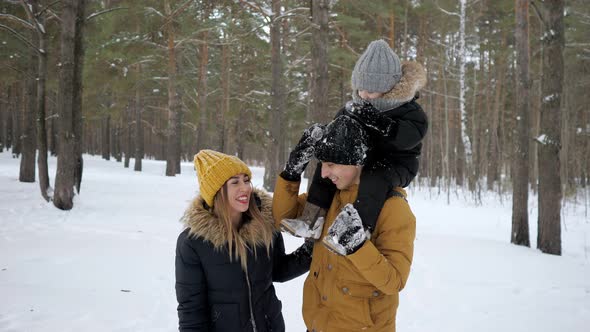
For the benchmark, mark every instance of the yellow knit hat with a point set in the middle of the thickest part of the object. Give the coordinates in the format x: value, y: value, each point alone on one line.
x: 214, y: 169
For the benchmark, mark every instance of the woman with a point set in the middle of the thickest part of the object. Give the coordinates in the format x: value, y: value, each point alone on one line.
x: 230, y: 253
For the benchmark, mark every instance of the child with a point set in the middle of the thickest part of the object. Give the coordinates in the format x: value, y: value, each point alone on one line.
x: 384, y: 93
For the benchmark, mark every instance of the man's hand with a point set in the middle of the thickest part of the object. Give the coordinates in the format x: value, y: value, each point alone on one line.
x: 346, y: 235
x: 302, y: 152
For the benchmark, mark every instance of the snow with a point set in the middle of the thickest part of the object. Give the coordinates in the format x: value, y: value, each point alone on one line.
x: 550, y: 98
x: 544, y: 139
x: 41, y: 26
x: 108, y: 265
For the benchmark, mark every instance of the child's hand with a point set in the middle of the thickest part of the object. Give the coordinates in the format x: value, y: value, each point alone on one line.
x: 370, y: 117
x: 303, y: 152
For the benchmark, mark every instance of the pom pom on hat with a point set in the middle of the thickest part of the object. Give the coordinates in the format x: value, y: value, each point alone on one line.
x: 214, y: 169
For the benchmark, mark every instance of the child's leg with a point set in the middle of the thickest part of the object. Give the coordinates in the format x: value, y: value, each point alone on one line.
x: 319, y: 198
x: 321, y: 191
x: 372, y: 194
x: 377, y: 186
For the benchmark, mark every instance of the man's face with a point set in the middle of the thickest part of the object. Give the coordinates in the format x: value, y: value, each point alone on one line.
x: 343, y: 176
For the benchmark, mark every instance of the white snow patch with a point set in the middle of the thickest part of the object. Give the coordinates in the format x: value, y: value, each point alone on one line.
x: 550, y: 98
x: 108, y: 264
x: 542, y: 139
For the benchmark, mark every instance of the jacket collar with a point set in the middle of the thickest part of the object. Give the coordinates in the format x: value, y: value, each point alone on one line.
x: 412, y: 81
x: 204, y: 224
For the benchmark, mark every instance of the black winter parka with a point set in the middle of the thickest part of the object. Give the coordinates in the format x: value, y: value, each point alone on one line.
x: 215, y: 293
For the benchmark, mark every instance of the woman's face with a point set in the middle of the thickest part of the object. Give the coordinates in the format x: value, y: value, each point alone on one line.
x: 238, y: 193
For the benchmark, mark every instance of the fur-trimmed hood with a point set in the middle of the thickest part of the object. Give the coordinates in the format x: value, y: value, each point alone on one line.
x: 413, y: 80
x: 204, y: 224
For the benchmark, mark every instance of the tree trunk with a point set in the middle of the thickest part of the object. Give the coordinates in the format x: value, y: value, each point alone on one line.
x: 3, y: 106
x: 9, y: 119
x: 17, y: 116
x: 202, y: 85
x: 77, y: 115
x: 53, y: 123
x: 173, y: 103
x: 41, y: 127
x: 319, y: 92
x: 128, y: 128
x: 117, y: 144
x: 319, y: 62
x: 139, y: 137
x: 462, y: 59
x: 494, y: 164
x: 240, y: 126
x: 178, y: 130
x: 391, y: 29
x: 68, y: 161
x: 277, y: 101
x: 106, y: 137
x: 225, y: 78
x: 520, y: 165
x: 29, y: 146
x: 549, y: 236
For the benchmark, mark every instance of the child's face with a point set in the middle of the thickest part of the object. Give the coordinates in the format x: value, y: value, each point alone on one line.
x: 370, y: 95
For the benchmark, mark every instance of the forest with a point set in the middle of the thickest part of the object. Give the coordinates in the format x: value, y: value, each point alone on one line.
x: 506, y: 97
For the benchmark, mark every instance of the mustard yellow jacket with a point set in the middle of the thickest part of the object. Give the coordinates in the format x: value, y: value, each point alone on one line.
x: 358, y: 292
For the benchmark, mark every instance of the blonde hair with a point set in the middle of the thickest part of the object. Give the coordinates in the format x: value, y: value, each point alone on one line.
x: 238, y: 243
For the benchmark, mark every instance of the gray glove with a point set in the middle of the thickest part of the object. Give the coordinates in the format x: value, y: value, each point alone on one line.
x: 302, y: 152
x: 346, y: 235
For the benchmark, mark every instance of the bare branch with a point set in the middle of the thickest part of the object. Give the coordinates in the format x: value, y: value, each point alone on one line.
x: 54, y: 15
x: 292, y: 13
x: 19, y: 20
x: 33, y: 18
x: 577, y: 45
x: 174, y: 13
x: 259, y: 9
x: 345, y: 40
x: 27, y: 9
x: 539, y: 13
x: 27, y: 75
x: 42, y: 11
x: 93, y: 15
x: 22, y: 38
x: 446, y: 11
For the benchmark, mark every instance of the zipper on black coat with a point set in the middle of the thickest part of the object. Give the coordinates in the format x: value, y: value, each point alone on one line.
x: 250, y: 301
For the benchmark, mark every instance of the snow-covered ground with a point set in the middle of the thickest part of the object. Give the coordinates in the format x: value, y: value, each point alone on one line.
x: 108, y: 265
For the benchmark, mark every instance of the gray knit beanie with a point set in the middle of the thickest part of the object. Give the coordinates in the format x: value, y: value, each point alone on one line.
x: 378, y: 69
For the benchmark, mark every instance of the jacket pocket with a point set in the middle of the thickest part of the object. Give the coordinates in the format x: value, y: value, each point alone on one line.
x: 352, y: 304
x: 225, y: 317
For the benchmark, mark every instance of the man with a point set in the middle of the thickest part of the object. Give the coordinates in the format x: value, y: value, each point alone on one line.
x: 355, y: 276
